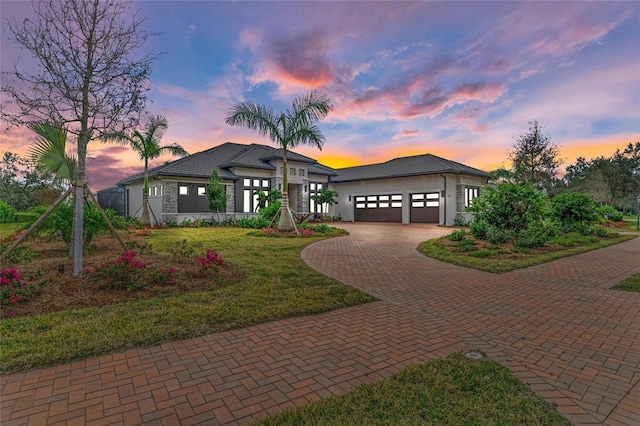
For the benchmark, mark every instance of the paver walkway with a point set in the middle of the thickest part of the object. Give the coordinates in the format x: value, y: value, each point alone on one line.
x: 556, y: 326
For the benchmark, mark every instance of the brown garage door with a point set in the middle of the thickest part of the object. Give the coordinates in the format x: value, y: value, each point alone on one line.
x: 425, y: 207
x: 378, y: 208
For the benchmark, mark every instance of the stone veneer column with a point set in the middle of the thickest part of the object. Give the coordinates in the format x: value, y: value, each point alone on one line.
x: 231, y: 198
x: 169, y: 201
x: 460, y: 197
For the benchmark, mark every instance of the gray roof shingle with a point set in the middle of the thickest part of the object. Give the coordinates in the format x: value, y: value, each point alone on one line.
x: 223, y: 157
x: 405, y: 166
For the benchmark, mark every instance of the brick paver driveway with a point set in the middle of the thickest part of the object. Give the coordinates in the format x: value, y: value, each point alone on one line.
x: 556, y: 326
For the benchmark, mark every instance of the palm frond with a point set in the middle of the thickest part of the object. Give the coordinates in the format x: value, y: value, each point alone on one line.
x: 49, y: 150
x: 257, y: 117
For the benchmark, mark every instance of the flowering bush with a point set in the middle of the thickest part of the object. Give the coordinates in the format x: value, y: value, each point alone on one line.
x: 144, y: 232
x: 128, y: 273
x: 158, y: 277
x: 304, y: 232
x: 122, y: 273
x: 13, y: 288
x: 210, y: 262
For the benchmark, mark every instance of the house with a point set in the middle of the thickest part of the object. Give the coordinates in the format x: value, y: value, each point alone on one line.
x: 423, y: 188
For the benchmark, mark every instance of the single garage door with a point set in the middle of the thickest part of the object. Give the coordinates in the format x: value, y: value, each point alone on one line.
x: 425, y: 207
x: 378, y: 208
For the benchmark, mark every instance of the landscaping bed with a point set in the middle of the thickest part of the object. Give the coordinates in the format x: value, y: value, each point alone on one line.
x: 66, y: 318
x: 468, y: 251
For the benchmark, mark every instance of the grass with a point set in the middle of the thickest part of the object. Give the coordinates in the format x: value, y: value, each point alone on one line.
x: 278, y: 284
x: 630, y: 284
x: 632, y: 223
x: 452, y: 390
x: 7, y: 229
x: 498, y: 259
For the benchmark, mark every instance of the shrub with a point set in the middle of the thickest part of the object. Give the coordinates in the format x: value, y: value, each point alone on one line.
x: 253, y: 222
x: 466, y: 245
x: 457, y: 235
x: 60, y: 222
x: 601, y: 231
x: 509, y: 207
x: 128, y: 273
x: 573, y: 210
x: 532, y: 237
x: 125, y: 272
x: 7, y: 213
x: 322, y: 228
x: 13, y: 289
x: 479, y: 229
x: 270, y: 211
x: 498, y: 236
x: 609, y: 213
x: 211, y: 261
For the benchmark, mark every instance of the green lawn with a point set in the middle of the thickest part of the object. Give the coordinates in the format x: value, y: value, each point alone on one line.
x: 632, y: 223
x: 630, y: 284
x: 454, y: 390
x: 498, y: 260
x: 7, y: 229
x: 278, y: 284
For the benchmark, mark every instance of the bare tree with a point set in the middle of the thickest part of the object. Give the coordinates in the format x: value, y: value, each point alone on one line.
x: 89, y: 76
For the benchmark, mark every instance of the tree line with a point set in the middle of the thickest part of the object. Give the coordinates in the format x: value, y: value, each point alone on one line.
x: 610, y: 180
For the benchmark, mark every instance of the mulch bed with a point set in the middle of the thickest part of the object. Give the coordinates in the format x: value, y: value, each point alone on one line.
x: 60, y: 290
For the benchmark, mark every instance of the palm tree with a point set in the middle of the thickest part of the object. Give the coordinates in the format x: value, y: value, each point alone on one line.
x: 147, y: 146
x: 50, y: 151
x: 287, y: 129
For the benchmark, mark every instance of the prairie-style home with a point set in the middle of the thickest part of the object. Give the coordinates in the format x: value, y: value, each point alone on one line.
x: 417, y: 189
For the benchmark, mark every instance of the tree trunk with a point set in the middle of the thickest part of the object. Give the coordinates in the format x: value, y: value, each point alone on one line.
x: 78, y: 228
x: 285, y: 224
x: 144, y: 219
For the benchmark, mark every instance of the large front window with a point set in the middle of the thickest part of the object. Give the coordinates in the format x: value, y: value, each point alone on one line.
x: 314, y: 189
x: 251, y: 187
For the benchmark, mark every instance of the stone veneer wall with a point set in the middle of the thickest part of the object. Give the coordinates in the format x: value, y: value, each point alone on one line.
x: 170, y: 202
x: 231, y: 197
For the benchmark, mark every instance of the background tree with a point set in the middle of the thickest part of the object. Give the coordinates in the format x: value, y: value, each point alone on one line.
x: 147, y: 146
x: 535, y: 158
x: 89, y: 76
x: 24, y: 183
x: 217, y: 193
x: 287, y: 129
x: 613, y: 181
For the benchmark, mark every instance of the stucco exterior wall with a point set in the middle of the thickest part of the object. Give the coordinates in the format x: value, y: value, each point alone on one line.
x: 405, y: 186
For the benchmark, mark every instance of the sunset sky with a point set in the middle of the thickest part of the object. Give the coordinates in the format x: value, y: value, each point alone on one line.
x: 456, y: 79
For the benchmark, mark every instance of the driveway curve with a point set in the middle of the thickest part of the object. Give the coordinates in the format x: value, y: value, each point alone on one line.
x: 556, y: 326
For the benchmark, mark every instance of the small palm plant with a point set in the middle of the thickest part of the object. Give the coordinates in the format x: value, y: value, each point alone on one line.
x: 147, y: 146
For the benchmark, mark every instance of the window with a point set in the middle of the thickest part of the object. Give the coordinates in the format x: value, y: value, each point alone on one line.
x: 250, y: 193
x: 314, y: 189
x: 202, y: 190
x: 470, y: 192
x: 161, y: 190
x: 301, y: 172
x: 378, y: 201
x: 184, y: 190
x: 292, y: 171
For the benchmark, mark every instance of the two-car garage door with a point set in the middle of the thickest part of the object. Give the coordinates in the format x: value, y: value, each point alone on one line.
x: 425, y: 208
